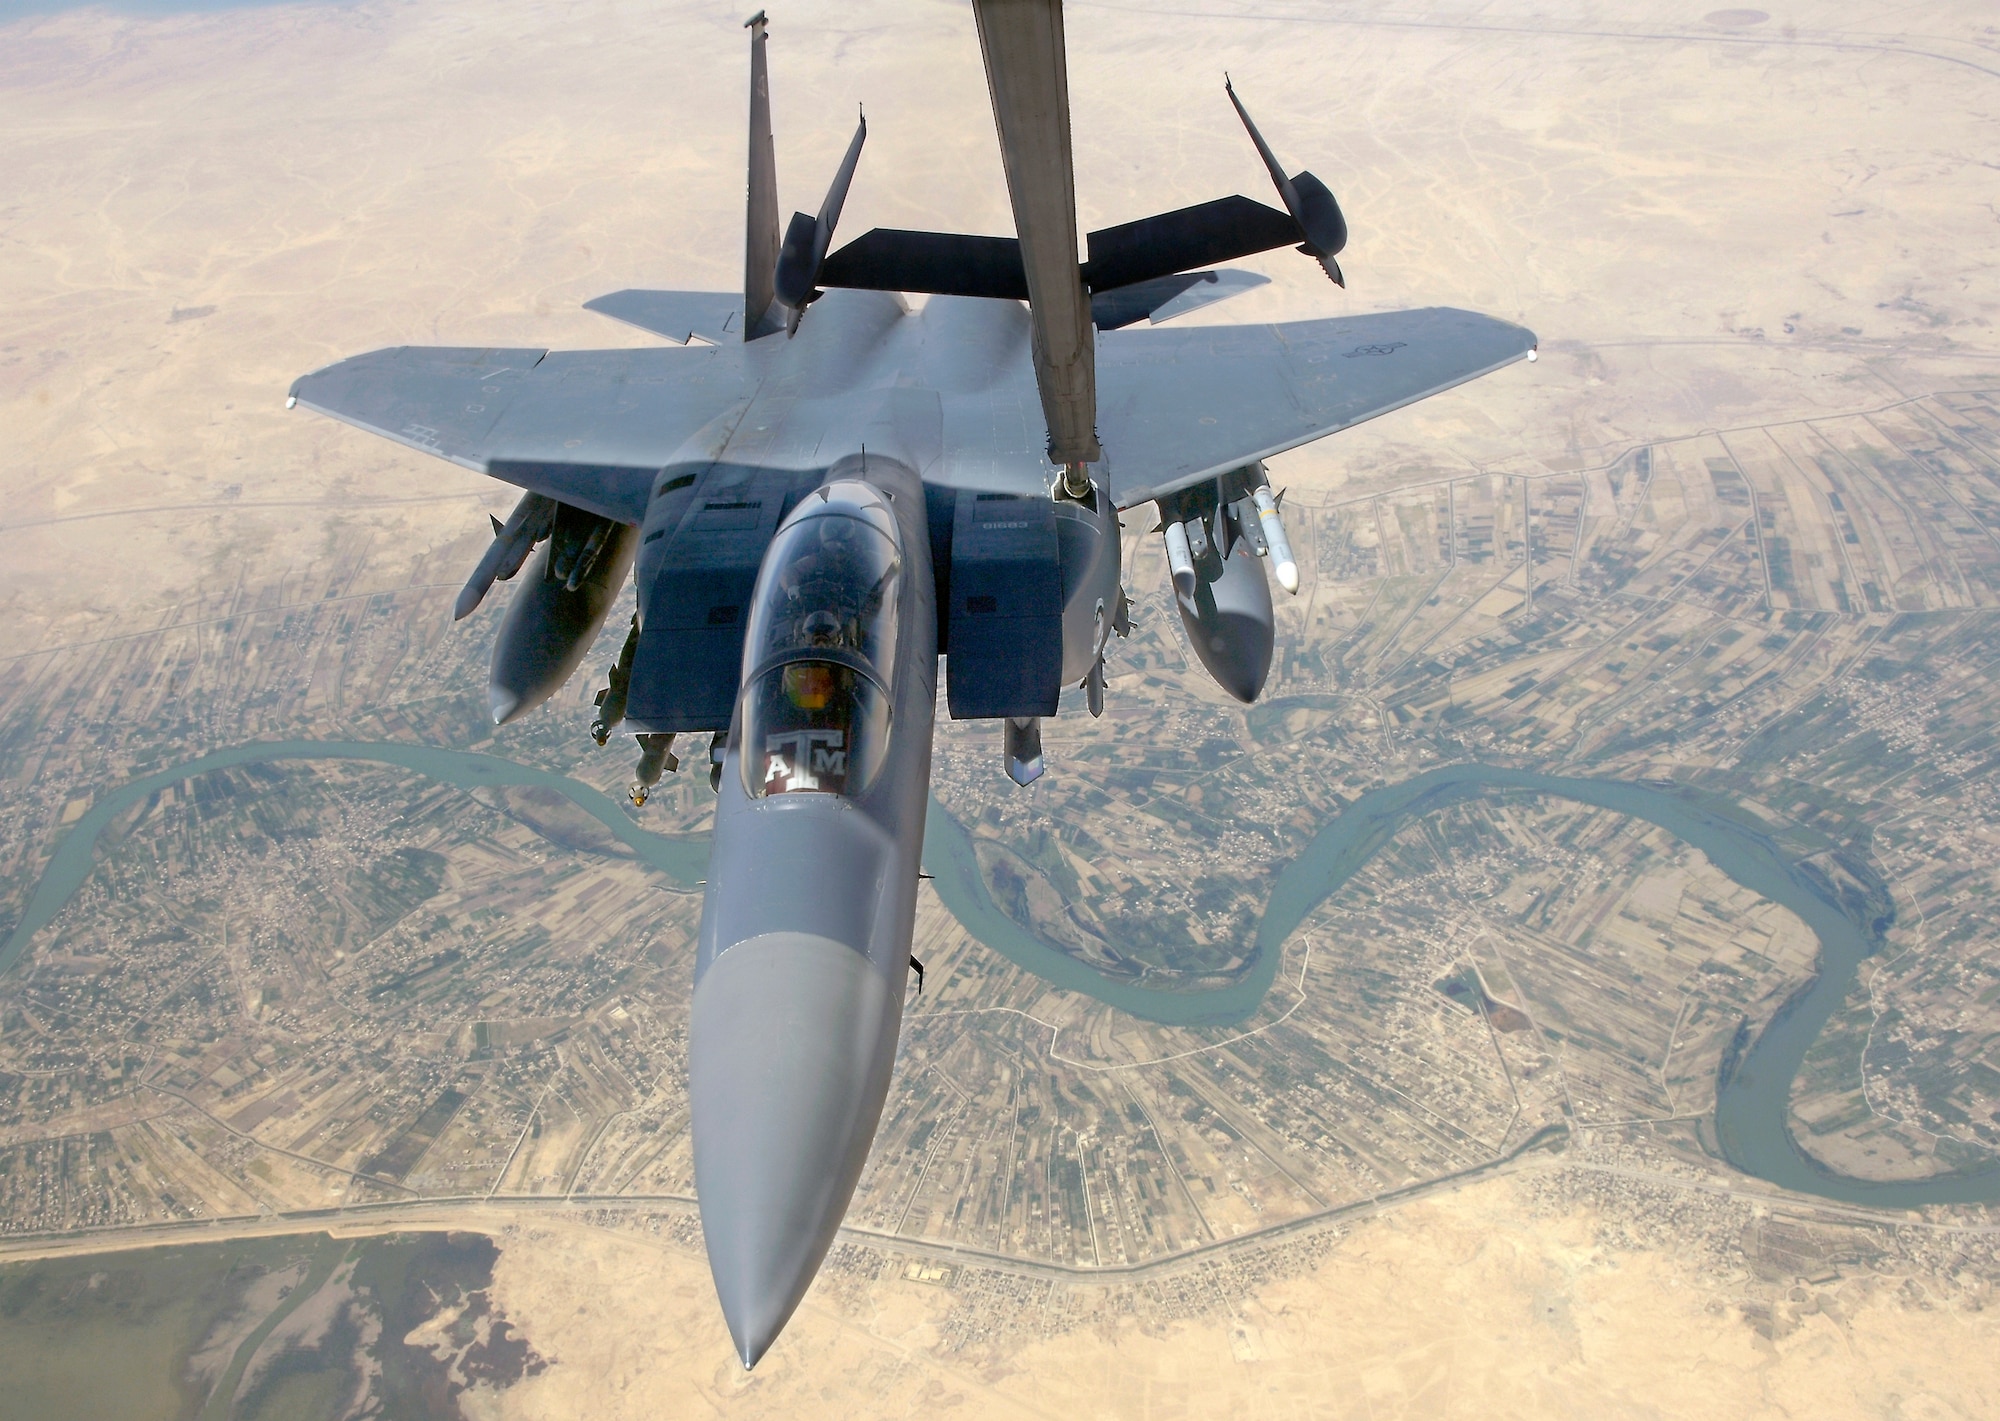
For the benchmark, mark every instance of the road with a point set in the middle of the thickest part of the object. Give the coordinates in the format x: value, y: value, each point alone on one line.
x: 1541, y: 1154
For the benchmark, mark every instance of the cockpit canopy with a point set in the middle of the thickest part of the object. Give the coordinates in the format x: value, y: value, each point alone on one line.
x: 829, y: 581
x: 820, y: 652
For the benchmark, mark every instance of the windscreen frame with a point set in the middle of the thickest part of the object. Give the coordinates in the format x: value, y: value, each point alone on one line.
x: 827, y: 606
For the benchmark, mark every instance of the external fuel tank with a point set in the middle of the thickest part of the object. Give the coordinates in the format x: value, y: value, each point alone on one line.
x: 1228, y: 620
x: 1217, y: 543
x: 566, y: 591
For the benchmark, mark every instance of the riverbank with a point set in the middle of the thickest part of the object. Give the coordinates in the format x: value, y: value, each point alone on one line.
x: 1751, y: 1120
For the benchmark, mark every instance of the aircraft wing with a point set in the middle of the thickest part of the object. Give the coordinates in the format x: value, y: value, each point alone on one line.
x: 589, y: 428
x: 1179, y: 406
x: 714, y: 316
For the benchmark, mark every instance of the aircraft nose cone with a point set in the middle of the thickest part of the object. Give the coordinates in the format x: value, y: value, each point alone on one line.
x: 504, y: 704
x: 791, y: 1043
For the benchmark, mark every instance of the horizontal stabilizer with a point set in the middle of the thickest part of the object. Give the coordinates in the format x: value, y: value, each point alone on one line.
x: 953, y: 264
x: 938, y: 263
x: 1203, y: 235
x: 1165, y: 297
x: 714, y: 316
x: 1208, y: 288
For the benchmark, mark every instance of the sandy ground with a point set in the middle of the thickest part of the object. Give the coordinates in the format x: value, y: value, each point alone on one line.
x: 1466, y: 1306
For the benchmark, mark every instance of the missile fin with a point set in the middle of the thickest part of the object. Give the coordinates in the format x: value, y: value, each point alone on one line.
x: 1021, y: 744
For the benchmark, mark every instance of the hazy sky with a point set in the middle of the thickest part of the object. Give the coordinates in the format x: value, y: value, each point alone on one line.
x: 21, y: 9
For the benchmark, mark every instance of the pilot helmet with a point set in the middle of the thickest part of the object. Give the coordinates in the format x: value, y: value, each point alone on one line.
x: 821, y: 628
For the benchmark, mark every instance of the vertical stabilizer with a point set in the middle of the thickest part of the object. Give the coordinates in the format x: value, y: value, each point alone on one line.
x: 761, y: 315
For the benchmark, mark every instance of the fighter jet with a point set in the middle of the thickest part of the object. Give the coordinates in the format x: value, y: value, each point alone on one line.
x: 823, y: 491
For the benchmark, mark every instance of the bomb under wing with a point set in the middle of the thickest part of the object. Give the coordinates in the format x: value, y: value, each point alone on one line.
x: 830, y: 494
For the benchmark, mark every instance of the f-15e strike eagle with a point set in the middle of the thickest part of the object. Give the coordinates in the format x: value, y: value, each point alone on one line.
x: 825, y: 491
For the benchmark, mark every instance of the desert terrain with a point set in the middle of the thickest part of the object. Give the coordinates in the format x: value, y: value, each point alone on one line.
x: 1736, y: 532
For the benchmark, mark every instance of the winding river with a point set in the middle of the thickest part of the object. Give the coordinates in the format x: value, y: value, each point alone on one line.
x: 1751, y: 1113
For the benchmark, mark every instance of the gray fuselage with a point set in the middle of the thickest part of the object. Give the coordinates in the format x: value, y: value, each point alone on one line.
x: 811, y: 897
x: 805, y: 934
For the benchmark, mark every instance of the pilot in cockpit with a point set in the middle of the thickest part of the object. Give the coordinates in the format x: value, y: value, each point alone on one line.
x: 829, y: 581
x: 820, y: 717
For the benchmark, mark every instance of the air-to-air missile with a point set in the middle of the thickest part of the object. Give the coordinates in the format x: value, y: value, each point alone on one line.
x: 513, y: 540
x: 1217, y: 534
